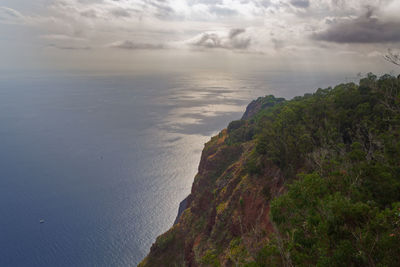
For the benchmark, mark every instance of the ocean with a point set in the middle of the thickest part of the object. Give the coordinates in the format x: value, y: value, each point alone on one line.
x: 105, y: 160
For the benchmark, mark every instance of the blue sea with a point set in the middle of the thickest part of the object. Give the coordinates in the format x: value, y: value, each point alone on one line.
x: 105, y: 159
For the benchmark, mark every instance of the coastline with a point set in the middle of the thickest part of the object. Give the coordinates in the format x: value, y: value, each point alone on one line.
x: 182, y: 207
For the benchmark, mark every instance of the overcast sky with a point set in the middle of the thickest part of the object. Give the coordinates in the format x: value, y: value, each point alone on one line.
x: 151, y: 34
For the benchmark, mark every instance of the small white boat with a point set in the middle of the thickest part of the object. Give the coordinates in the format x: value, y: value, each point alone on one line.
x: 41, y: 221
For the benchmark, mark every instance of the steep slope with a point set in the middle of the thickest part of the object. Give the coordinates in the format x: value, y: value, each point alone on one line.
x: 310, y: 181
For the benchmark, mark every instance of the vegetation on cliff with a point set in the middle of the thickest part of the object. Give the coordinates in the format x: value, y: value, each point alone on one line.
x: 310, y: 181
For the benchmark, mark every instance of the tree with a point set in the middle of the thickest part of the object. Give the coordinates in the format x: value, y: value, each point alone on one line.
x: 392, y: 57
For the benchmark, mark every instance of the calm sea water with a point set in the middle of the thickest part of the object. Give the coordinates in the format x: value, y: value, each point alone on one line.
x: 105, y: 160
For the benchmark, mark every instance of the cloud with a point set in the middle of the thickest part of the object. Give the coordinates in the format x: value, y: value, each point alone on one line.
x: 266, y: 3
x: 364, y: 29
x: 278, y: 44
x: 300, y: 3
x: 90, y: 13
x: 10, y: 16
x: 162, y: 8
x: 233, y: 40
x: 235, y: 32
x: 271, y: 27
x: 120, y: 13
x: 69, y: 47
x: 129, y: 45
x: 222, y: 11
x: 62, y: 38
x: 209, y: 40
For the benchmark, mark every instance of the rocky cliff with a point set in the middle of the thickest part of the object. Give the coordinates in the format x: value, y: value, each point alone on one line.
x: 227, y: 213
x: 339, y: 151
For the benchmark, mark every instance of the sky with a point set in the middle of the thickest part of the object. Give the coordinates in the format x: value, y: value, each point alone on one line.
x: 151, y: 35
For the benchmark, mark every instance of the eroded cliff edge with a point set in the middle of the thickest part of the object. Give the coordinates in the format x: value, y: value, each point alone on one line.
x: 339, y: 150
x: 225, y: 202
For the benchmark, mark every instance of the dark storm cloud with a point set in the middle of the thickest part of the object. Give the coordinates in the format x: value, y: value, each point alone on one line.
x: 129, y: 45
x: 300, y: 3
x: 365, y: 29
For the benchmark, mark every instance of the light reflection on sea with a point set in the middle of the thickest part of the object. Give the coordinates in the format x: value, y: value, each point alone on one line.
x: 105, y: 160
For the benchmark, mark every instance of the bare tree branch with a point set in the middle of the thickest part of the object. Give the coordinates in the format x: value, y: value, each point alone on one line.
x: 392, y: 57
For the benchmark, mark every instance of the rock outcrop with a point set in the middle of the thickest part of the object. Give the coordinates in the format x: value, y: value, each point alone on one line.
x: 314, y: 181
x: 225, y: 219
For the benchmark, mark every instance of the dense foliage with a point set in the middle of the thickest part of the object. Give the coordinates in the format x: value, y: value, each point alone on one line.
x: 341, y: 148
x: 314, y: 181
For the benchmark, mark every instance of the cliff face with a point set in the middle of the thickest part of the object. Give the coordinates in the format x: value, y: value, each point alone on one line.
x: 226, y: 220
x: 314, y: 181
